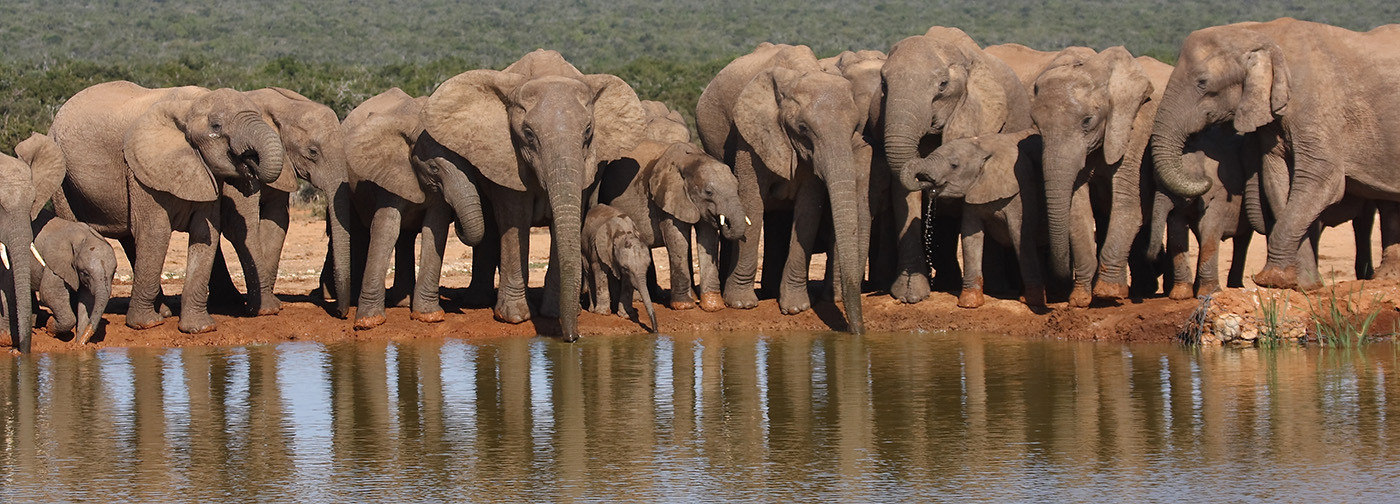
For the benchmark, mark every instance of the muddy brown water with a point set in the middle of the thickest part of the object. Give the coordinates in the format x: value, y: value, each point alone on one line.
x: 803, y: 416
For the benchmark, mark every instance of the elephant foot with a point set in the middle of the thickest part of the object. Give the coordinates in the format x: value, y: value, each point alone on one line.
x: 971, y: 298
x: 147, y: 320
x: 1079, y: 297
x: 1180, y: 291
x: 511, y: 312
x: 599, y: 309
x: 269, y: 305
x: 370, y: 322
x: 1386, y: 271
x: 794, y: 303
x: 1111, y: 290
x: 1034, y: 296
x: 910, y: 288
x: 740, y: 297
x: 683, y: 305
x: 196, y: 324
x: 1208, y: 289
x: 431, y: 317
x: 711, y: 301
x: 1274, y: 277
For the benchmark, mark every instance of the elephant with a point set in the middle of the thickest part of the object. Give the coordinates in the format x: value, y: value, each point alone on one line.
x: 996, y: 178
x: 26, y: 184
x: 144, y: 162
x: 72, y: 259
x: 791, y: 132
x: 665, y: 189
x: 391, y: 178
x: 1095, y: 112
x: 1027, y: 62
x: 1318, y: 97
x: 663, y: 124
x: 533, y: 136
x: 940, y: 86
x: 256, y: 222
x: 616, y: 260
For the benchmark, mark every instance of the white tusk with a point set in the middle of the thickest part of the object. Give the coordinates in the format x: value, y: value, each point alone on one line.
x: 37, y: 256
x: 4, y: 256
x: 747, y: 222
x: 721, y: 220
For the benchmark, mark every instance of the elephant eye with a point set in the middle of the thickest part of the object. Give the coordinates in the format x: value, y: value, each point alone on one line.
x: 588, y: 136
x: 314, y: 153
x: 529, y: 135
x: 942, y: 86
x: 1087, y: 122
x: 1201, y: 83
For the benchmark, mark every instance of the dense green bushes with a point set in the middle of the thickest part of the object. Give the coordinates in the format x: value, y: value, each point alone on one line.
x: 340, y: 52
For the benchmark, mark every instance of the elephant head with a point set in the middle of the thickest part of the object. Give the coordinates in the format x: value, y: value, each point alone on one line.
x: 314, y: 144
x: 633, y: 259
x: 221, y: 131
x: 1083, y: 103
x: 663, y: 124
x: 941, y: 83
x: 863, y: 68
x: 794, y: 117
x: 692, y: 186
x: 977, y: 170
x: 540, y: 126
x: 441, y: 171
x: 16, y: 238
x: 1224, y: 74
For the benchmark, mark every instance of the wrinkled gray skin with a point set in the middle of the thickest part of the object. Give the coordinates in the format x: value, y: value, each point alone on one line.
x: 996, y: 177
x: 615, y: 262
x: 405, y: 185
x: 17, y: 193
x: 789, y: 130
x: 940, y: 86
x: 667, y: 189
x: 145, y: 162
x: 78, y: 266
x: 1095, y: 112
x: 533, y: 135
x: 862, y: 69
x: 256, y: 222
x: 1324, y: 102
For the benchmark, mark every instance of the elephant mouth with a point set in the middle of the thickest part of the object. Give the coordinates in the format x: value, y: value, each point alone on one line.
x: 729, y: 228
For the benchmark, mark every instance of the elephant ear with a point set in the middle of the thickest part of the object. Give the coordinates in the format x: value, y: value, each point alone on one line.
x: 162, y: 158
x: 380, y: 148
x: 15, y: 187
x: 984, y: 108
x: 467, y: 114
x: 998, y: 179
x: 1128, y: 89
x: 756, y: 118
x: 667, y: 186
x: 619, y: 121
x: 45, y: 162
x: 1265, y: 88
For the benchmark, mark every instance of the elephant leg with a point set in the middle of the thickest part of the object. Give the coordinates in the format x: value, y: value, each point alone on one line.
x: 56, y: 296
x: 400, y: 290
x: 973, y: 239
x: 383, y: 233
x: 1178, y: 247
x: 128, y: 244
x: 776, y: 243
x: 240, y: 224
x: 676, y: 237
x: 806, y: 221
x: 738, y: 287
x: 1026, y: 247
x: 151, y: 239
x: 1212, y: 231
x: 911, y: 283
x: 272, y: 235
x: 602, y: 291
x: 203, y: 244
x: 1240, y: 246
x: 1390, y: 240
x: 1082, y: 246
x: 707, y: 255
x: 426, y: 306
x: 1361, y: 229
x: 1124, y: 222
x: 1291, y: 262
x: 513, y: 220
x: 486, y: 256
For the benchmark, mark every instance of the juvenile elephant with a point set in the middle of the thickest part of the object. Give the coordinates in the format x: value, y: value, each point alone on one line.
x: 145, y: 162
x: 533, y: 135
x: 996, y: 178
x: 404, y: 185
x: 940, y: 86
x: 256, y: 222
x: 1095, y: 113
x: 790, y: 131
x: 616, y: 259
x: 1320, y: 98
x: 665, y: 189
x: 72, y: 260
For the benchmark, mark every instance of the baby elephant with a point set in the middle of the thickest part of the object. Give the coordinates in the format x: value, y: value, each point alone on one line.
x: 995, y: 177
x: 70, y: 259
x: 617, y: 259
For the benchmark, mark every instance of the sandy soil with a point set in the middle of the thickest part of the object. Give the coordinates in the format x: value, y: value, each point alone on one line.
x: 304, y: 318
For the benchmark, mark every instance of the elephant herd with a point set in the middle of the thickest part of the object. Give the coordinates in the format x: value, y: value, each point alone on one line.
x: 1098, y: 163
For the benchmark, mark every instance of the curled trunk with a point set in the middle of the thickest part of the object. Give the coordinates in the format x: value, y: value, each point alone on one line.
x: 1176, y: 119
x: 263, y: 140
x: 461, y: 195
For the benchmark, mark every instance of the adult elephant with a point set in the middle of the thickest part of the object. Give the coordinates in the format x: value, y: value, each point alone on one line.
x: 534, y: 133
x: 1322, y: 99
x: 790, y: 131
x: 940, y: 86
x: 1095, y: 112
x: 256, y: 222
x: 144, y: 162
x: 20, y: 181
x: 862, y: 69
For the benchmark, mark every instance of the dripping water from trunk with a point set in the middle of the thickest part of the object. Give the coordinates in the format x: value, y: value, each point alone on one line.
x: 930, y: 209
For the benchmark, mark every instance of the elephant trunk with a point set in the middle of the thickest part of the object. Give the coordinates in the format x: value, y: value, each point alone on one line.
x: 846, y: 217
x: 258, y: 136
x: 638, y: 279
x: 101, y: 295
x: 21, y: 320
x: 1254, y: 202
x: 1063, y: 161
x: 1177, y: 119
x: 1161, y: 208
x: 903, y: 132
x: 338, y: 211
x: 565, y: 201
x: 916, y: 176
x: 460, y: 194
